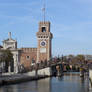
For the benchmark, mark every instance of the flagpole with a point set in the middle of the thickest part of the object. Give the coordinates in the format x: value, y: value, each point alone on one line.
x: 43, y: 9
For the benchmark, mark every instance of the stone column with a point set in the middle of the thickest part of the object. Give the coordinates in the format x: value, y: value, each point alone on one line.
x: 9, y: 68
x: 90, y: 75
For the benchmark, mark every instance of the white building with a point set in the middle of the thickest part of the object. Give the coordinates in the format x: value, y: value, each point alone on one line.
x: 11, y: 44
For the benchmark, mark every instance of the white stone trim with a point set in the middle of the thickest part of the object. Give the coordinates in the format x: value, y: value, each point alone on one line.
x: 48, y: 48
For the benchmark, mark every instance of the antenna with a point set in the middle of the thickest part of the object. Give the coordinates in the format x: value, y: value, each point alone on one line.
x: 9, y: 35
x: 43, y: 10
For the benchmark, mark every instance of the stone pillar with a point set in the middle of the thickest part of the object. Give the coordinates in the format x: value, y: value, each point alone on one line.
x: 15, y: 63
x: 9, y: 68
x: 90, y: 75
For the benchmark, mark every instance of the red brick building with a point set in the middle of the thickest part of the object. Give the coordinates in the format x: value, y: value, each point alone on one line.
x: 28, y: 55
x: 31, y: 56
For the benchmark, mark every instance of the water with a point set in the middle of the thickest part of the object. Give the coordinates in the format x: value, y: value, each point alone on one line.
x: 70, y: 82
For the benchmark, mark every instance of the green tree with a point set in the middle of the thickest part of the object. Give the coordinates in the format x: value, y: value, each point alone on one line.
x: 6, y: 57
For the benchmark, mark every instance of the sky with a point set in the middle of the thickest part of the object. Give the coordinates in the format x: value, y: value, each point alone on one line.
x: 71, y: 24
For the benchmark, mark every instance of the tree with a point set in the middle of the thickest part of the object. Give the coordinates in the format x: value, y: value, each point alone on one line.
x: 6, y: 57
x: 80, y: 57
x: 71, y: 56
x: 65, y: 59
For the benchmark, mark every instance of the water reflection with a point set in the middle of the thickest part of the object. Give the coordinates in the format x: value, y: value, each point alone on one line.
x: 34, y: 86
x: 70, y: 82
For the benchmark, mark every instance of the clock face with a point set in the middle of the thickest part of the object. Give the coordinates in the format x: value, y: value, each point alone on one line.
x: 43, y: 43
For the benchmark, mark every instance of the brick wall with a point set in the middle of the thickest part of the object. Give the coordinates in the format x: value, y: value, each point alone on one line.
x: 27, y: 55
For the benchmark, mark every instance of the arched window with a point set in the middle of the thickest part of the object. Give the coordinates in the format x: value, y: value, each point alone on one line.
x: 43, y: 29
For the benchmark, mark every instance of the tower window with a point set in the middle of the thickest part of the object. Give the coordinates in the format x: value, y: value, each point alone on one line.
x: 27, y: 57
x: 43, y: 29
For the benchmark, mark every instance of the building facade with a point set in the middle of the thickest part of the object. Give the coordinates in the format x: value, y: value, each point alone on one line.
x: 44, y: 37
x: 11, y: 45
x: 30, y: 56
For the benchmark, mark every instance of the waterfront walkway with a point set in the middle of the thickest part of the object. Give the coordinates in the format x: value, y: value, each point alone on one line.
x: 18, y: 78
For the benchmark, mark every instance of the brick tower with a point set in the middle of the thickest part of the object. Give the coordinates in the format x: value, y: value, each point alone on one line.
x: 44, y: 37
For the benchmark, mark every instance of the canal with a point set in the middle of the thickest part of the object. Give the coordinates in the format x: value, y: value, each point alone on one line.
x: 70, y: 82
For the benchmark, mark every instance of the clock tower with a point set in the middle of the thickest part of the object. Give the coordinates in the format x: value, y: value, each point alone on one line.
x: 44, y: 37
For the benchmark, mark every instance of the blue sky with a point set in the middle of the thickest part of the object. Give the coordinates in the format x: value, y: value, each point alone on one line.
x: 71, y: 23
